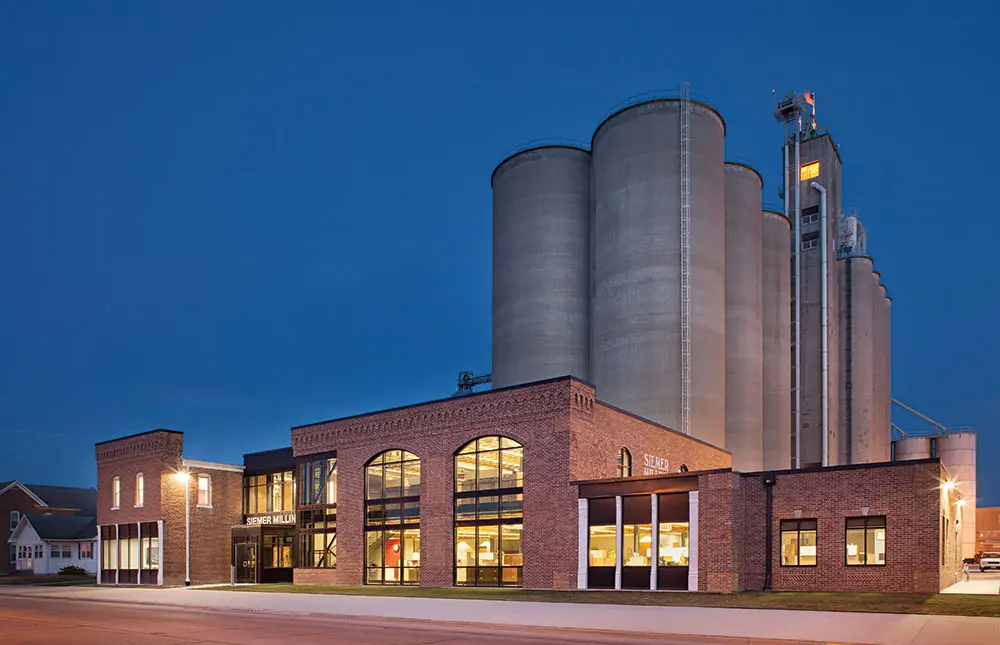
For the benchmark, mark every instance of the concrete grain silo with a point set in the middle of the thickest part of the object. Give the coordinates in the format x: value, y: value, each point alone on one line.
x: 541, y: 265
x: 636, y: 323
x: 744, y: 304
x: 777, y: 341
x: 884, y: 351
x: 857, y: 361
x: 881, y: 437
x: 957, y: 452
x: 911, y: 448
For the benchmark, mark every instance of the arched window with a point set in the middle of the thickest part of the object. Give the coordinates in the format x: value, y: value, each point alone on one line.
x: 489, y: 513
x: 392, y: 519
x: 624, y: 463
x: 116, y: 493
x: 140, y: 493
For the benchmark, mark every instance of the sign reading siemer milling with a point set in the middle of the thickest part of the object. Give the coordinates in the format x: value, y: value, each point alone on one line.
x: 271, y: 519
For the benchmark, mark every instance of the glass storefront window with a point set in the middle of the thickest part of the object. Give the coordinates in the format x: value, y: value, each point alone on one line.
x: 488, y: 525
x: 512, y: 468
x: 674, y: 545
x: 465, y: 472
x: 317, y: 483
x: 511, y: 555
x: 109, y: 554
x: 392, y: 519
x: 602, y: 547
x: 637, y: 545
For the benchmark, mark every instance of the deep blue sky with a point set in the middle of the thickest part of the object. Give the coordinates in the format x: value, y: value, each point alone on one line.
x: 229, y: 218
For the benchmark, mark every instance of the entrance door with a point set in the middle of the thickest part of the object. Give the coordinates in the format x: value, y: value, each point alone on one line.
x: 246, y: 563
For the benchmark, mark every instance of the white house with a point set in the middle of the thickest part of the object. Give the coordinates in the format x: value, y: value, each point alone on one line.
x: 47, y: 543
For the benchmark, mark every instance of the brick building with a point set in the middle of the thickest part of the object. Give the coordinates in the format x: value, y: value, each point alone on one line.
x: 538, y: 485
x: 142, y: 483
x: 988, y: 530
x: 18, y: 499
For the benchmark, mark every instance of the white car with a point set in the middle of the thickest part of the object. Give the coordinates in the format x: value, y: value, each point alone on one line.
x: 989, y: 560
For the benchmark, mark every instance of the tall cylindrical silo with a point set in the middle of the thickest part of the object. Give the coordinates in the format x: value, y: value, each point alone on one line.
x: 777, y: 341
x: 881, y: 436
x: 910, y: 448
x: 886, y: 352
x: 636, y: 310
x: 857, y: 323
x: 957, y: 451
x: 744, y: 304
x: 541, y: 265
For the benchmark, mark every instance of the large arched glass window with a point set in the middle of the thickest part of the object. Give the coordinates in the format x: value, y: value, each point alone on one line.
x: 392, y: 519
x: 624, y: 463
x: 489, y: 513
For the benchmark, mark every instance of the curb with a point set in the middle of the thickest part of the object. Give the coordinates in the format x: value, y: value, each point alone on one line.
x: 465, y: 626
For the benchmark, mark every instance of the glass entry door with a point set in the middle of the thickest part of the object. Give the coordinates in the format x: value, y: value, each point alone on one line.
x: 246, y: 563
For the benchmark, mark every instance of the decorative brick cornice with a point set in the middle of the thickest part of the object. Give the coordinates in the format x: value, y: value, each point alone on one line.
x: 436, y: 418
x: 134, y: 448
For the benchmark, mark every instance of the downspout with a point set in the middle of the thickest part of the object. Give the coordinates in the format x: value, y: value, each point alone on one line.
x: 798, y: 302
x: 824, y: 251
x: 769, y: 481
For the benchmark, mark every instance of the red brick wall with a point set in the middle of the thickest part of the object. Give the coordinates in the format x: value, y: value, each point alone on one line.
x: 733, y: 528
x: 566, y: 435
x: 908, y: 494
x: 718, y: 505
x: 537, y: 417
x: 158, y: 456
x: 153, y: 454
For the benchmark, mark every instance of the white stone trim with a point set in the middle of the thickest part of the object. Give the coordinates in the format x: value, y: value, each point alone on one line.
x: 209, y: 465
x: 618, y: 542
x: 583, y: 540
x: 693, y: 540
x: 159, y: 542
x: 99, y: 556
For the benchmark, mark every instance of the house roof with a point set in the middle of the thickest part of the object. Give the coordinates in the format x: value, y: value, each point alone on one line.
x: 62, y: 527
x: 84, y: 500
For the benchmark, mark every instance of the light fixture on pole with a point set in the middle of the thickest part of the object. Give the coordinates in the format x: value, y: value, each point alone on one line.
x: 185, y: 476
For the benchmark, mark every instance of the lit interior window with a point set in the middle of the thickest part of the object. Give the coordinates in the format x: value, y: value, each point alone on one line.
x: 809, y: 171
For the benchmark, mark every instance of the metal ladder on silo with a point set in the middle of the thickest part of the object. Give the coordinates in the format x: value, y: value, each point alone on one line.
x: 685, y: 121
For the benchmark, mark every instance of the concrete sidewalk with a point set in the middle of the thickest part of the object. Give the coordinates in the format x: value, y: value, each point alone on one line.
x: 833, y: 627
x: 975, y: 586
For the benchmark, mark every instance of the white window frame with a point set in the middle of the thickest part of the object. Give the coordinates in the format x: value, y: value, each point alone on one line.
x: 15, y: 518
x: 208, y: 491
x: 140, y: 493
x: 116, y: 493
x: 89, y: 545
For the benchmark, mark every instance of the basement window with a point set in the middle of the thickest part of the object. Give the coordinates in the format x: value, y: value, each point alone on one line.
x: 809, y: 171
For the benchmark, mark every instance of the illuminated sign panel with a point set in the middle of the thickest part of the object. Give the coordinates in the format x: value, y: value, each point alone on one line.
x: 271, y: 519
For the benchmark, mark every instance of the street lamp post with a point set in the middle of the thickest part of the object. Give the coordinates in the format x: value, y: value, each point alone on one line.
x: 185, y: 476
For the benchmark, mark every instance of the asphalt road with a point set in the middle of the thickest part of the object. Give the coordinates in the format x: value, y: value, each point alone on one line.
x: 36, y: 621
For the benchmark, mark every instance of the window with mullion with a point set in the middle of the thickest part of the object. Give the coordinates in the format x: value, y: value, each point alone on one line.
x: 392, y: 519
x: 865, y: 540
x: 489, y: 512
x: 798, y: 543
